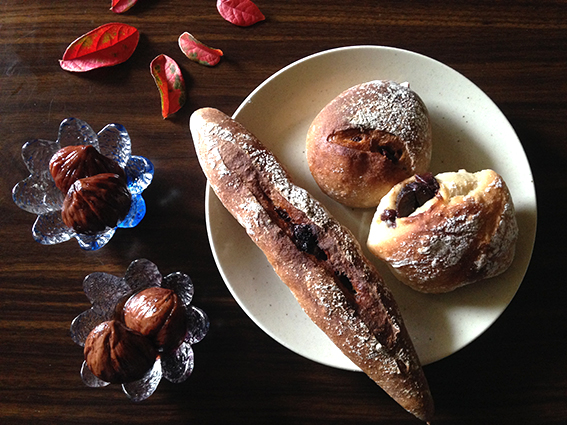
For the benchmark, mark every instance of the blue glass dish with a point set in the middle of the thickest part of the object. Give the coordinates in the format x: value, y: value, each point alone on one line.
x: 39, y: 195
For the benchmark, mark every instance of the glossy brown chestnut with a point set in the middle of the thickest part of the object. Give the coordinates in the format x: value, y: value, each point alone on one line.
x: 117, y: 354
x: 72, y: 163
x: 157, y: 313
x: 94, y: 203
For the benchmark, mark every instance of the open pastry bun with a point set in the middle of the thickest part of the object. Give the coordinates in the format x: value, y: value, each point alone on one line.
x: 466, y: 232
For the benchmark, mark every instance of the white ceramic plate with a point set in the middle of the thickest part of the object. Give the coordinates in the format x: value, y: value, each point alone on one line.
x: 469, y: 132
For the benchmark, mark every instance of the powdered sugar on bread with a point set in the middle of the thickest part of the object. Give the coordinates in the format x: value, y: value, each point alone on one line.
x: 392, y: 107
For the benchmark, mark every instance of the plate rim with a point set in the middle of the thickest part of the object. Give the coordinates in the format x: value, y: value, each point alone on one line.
x: 209, y: 192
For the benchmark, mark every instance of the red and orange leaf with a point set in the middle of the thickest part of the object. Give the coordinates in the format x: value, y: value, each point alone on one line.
x: 121, y: 6
x: 170, y: 83
x: 197, y: 51
x: 240, y: 12
x: 107, y: 45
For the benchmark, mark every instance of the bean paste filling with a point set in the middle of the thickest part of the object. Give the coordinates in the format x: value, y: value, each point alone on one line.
x: 412, y: 196
x: 304, y: 237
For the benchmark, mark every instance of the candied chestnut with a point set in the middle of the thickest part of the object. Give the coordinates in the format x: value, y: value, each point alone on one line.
x: 158, y: 314
x: 72, y: 163
x: 94, y: 203
x: 117, y: 354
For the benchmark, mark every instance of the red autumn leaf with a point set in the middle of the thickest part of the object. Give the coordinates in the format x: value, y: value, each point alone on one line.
x: 170, y: 83
x: 197, y: 51
x: 120, y: 6
x: 240, y: 12
x: 107, y: 45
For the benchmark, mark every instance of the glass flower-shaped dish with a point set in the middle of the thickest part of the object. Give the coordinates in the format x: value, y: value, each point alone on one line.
x: 108, y: 295
x: 39, y: 195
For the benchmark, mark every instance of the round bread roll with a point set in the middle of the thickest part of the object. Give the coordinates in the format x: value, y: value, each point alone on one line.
x: 366, y: 140
x: 439, y: 233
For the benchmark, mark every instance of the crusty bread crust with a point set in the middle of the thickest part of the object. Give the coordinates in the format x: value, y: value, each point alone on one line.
x: 466, y: 233
x: 366, y: 140
x: 316, y: 257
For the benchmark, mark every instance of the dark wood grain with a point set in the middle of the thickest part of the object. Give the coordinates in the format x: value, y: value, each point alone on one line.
x: 515, y: 373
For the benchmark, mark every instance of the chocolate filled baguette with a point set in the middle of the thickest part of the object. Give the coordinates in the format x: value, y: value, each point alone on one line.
x: 316, y: 257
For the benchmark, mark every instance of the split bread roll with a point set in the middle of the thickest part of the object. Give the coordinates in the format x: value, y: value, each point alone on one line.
x: 315, y: 256
x: 439, y: 233
x: 367, y: 139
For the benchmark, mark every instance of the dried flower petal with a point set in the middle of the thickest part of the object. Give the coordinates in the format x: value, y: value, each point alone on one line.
x: 197, y: 51
x: 240, y: 12
x: 107, y: 45
x: 121, y: 6
x: 170, y: 83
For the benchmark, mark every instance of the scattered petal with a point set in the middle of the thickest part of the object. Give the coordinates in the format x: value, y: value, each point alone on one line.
x: 121, y: 6
x: 240, y: 12
x: 197, y: 51
x: 107, y: 45
x: 170, y: 83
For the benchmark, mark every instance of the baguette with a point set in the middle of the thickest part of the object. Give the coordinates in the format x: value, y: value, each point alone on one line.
x: 315, y: 256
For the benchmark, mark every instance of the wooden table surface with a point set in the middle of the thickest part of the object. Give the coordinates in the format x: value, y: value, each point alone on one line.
x: 515, y: 51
